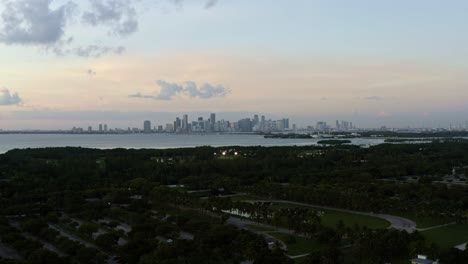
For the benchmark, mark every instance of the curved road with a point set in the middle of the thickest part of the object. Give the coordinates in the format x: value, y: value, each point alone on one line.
x: 396, y: 222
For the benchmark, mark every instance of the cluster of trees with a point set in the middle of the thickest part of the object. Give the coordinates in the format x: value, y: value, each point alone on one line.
x: 39, y: 184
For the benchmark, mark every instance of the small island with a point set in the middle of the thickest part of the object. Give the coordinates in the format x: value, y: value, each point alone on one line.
x: 334, y: 142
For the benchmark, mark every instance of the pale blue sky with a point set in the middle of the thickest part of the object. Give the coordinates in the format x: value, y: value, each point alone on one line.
x: 377, y: 58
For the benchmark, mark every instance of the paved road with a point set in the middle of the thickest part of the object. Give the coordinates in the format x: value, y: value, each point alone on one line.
x: 462, y: 246
x: 396, y: 222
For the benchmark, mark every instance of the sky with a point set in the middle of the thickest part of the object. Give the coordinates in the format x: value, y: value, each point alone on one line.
x: 82, y: 62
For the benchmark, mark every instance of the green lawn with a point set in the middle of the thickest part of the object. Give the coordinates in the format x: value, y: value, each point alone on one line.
x: 421, y: 221
x: 331, y: 218
x: 301, y: 246
x: 448, y: 236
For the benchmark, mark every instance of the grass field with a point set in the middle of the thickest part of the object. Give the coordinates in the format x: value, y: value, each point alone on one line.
x: 421, y: 221
x: 331, y: 218
x: 448, y: 236
x: 300, y: 246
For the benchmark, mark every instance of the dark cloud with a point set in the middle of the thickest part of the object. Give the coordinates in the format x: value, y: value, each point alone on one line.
x: 119, y: 15
x: 170, y: 90
x: 33, y: 22
x: 6, y: 98
x: 210, y: 3
x: 374, y: 98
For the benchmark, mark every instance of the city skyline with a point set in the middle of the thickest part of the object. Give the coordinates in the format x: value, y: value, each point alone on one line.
x: 393, y: 64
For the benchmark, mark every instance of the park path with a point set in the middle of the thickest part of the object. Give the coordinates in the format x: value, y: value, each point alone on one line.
x: 434, y: 227
x: 462, y: 246
x: 396, y: 222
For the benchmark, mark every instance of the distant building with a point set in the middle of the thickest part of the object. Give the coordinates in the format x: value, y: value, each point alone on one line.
x: 422, y: 259
x: 100, y: 128
x: 105, y: 127
x: 185, y: 123
x: 321, y: 126
x: 147, y: 126
x: 212, y: 118
x: 245, y: 125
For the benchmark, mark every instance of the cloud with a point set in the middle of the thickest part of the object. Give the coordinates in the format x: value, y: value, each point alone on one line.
x: 119, y: 15
x: 205, y: 91
x: 91, y: 51
x: 211, y: 3
x: 208, y: 4
x: 33, y: 22
x: 169, y: 90
x: 96, y: 51
x: 374, y: 98
x: 9, y: 99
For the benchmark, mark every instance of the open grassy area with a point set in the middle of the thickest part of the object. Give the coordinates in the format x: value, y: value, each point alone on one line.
x: 331, y: 218
x: 448, y: 236
x: 422, y: 221
x: 300, y: 246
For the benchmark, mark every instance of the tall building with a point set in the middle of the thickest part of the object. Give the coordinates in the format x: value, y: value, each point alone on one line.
x: 256, y: 121
x: 100, y: 128
x: 285, y: 123
x: 185, y: 123
x: 178, y: 124
x: 321, y: 125
x: 245, y: 125
x: 147, y: 126
x: 90, y: 129
x: 213, y: 118
x: 105, y: 127
x: 337, y: 125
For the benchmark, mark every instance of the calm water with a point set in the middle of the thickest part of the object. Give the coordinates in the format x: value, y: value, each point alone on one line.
x: 156, y: 141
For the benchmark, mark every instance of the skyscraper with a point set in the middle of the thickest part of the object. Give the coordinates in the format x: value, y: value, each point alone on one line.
x: 212, y: 118
x: 245, y: 125
x: 256, y: 121
x: 147, y: 126
x: 185, y: 123
x: 105, y: 127
x: 100, y: 128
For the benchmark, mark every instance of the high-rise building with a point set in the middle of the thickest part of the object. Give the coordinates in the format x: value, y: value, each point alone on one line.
x: 256, y: 121
x: 337, y: 125
x: 100, y: 128
x: 286, y: 123
x: 105, y: 127
x: 147, y: 126
x: 185, y: 123
x: 90, y: 129
x: 178, y: 124
x: 321, y: 125
x: 213, y: 118
x: 245, y: 125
